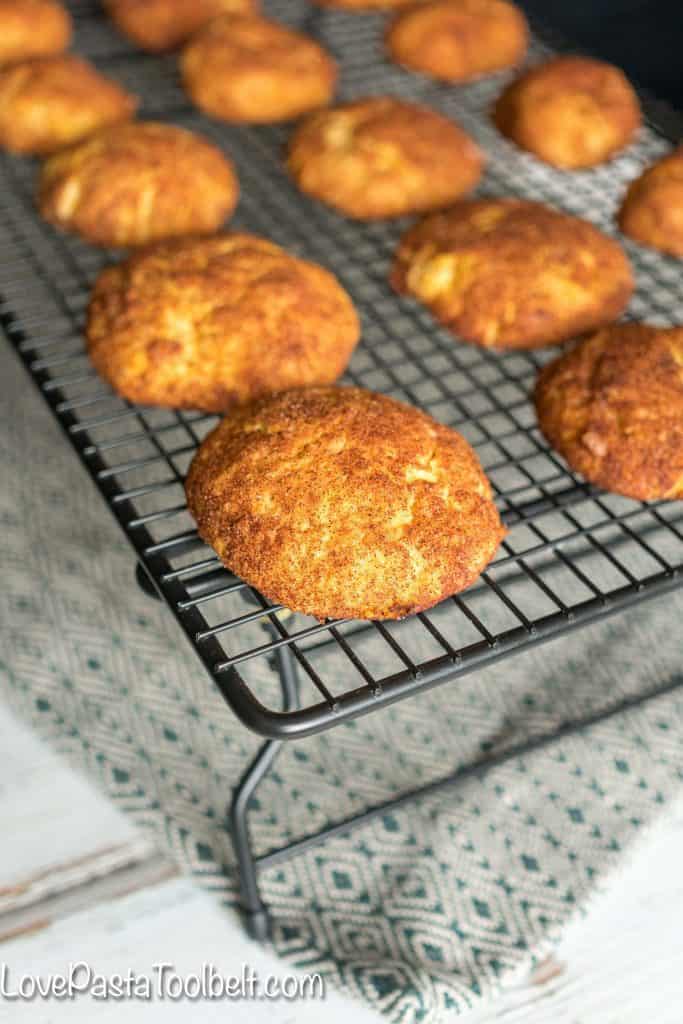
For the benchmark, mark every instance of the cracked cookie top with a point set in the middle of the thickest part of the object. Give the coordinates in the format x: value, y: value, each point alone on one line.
x: 613, y: 407
x: 339, y: 502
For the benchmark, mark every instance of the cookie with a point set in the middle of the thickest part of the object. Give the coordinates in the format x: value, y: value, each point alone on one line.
x: 459, y: 40
x: 206, y: 323
x: 338, y: 502
x: 510, y: 273
x: 159, y: 25
x: 52, y: 102
x: 383, y: 157
x: 136, y: 183
x: 652, y: 210
x: 571, y: 112
x: 246, y: 68
x: 613, y: 407
x: 32, y: 28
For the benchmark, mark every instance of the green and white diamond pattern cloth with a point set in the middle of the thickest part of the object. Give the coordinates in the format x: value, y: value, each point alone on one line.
x: 420, y: 913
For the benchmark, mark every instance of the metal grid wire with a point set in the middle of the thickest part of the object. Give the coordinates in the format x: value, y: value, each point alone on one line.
x: 572, y: 555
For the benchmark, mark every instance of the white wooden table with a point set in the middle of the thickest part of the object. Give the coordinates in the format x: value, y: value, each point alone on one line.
x: 78, y: 882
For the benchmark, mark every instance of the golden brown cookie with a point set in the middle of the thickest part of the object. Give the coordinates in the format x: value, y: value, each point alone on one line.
x: 509, y: 273
x: 158, y: 25
x: 205, y: 323
x: 383, y: 157
x: 32, y: 28
x: 571, y: 112
x: 652, y: 211
x: 246, y: 68
x: 459, y: 40
x: 338, y: 502
x: 613, y: 407
x: 136, y: 183
x: 49, y: 103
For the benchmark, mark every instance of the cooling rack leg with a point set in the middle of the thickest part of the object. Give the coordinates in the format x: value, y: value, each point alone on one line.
x: 254, y: 910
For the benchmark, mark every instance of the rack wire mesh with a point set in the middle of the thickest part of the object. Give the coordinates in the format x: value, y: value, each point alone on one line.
x: 573, y: 554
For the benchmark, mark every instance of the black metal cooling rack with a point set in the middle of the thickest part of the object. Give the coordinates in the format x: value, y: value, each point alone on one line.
x: 572, y: 554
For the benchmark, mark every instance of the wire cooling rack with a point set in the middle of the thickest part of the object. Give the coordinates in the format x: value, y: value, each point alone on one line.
x: 572, y: 555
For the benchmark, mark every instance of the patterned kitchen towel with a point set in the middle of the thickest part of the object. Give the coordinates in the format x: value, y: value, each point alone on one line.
x: 420, y: 913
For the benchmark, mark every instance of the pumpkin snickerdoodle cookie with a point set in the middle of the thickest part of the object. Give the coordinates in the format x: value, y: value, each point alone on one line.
x: 613, y: 407
x: 571, y: 112
x: 136, y: 183
x: 338, y: 502
x: 246, y: 68
x: 459, y: 40
x: 32, y: 28
x: 52, y: 102
x: 159, y: 25
x: 652, y: 210
x: 383, y: 157
x: 206, y: 323
x: 511, y: 273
